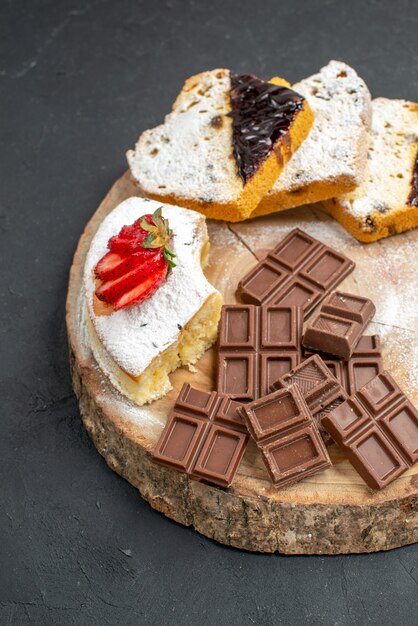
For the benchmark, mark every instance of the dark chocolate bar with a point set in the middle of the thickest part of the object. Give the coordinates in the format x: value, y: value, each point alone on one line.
x: 286, y: 435
x: 204, y: 436
x: 377, y: 428
x: 364, y: 364
x: 319, y: 388
x: 256, y: 345
x: 339, y: 324
x: 300, y: 271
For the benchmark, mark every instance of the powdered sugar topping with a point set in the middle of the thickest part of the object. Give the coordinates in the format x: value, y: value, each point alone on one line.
x: 136, y: 335
x: 337, y: 143
x: 393, y: 147
x: 187, y: 156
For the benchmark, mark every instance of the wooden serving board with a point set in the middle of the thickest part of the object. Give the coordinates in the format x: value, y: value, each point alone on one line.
x: 330, y: 513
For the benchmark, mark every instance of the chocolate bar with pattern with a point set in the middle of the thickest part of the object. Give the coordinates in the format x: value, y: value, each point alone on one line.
x: 204, y: 437
x: 377, y: 428
x: 286, y: 435
x: 256, y: 345
x: 363, y: 365
x: 319, y: 388
x: 338, y: 326
x: 300, y: 271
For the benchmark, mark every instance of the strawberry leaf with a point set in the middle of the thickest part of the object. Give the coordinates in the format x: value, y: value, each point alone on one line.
x: 149, y: 241
x: 156, y: 216
x: 145, y: 226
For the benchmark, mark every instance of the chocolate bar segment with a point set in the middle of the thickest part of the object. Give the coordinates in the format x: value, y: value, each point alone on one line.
x: 286, y: 435
x: 319, y: 388
x: 339, y: 324
x: 377, y: 428
x: 204, y: 437
x: 364, y: 364
x: 256, y: 346
x: 300, y: 271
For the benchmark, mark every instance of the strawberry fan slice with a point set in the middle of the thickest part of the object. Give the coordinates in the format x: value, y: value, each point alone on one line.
x: 137, y: 263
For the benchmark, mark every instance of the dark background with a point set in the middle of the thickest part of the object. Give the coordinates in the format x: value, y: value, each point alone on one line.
x: 78, y: 82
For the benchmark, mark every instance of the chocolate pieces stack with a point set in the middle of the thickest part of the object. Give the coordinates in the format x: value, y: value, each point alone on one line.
x: 292, y: 397
x: 365, y: 363
x: 320, y: 390
x: 285, y: 433
x: 339, y: 324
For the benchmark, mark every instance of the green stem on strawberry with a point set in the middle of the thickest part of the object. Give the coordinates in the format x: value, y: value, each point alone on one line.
x: 169, y: 256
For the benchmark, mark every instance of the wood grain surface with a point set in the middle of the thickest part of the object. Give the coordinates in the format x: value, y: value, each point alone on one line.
x: 330, y: 513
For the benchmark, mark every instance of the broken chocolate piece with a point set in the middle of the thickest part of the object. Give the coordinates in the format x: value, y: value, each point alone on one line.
x: 204, y: 437
x: 319, y: 388
x: 300, y: 271
x: 339, y: 324
x: 364, y: 364
x: 377, y: 428
x: 286, y: 435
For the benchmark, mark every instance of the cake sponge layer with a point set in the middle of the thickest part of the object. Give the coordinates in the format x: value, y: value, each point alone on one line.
x: 384, y: 204
x: 137, y: 347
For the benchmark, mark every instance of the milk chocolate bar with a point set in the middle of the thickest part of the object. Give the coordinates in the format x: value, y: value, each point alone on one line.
x: 339, y: 324
x: 319, y: 388
x: 377, y: 428
x: 204, y: 437
x: 300, y: 271
x: 256, y: 345
x: 286, y: 435
x: 364, y: 364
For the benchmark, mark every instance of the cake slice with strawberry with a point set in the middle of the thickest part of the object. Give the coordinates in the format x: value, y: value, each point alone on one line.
x: 150, y: 307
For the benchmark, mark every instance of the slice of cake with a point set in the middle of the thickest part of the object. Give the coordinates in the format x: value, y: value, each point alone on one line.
x: 150, y: 308
x: 332, y: 159
x: 386, y: 202
x: 223, y: 145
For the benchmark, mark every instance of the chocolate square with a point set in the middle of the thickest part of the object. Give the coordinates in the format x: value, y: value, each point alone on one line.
x: 294, y: 456
x: 286, y: 435
x: 339, y: 324
x: 256, y: 345
x: 299, y: 271
x: 364, y: 364
x: 377, y: 428
x: 274, y: 413
x: 321, y: 391
x: 204, y: 437
x: 375, y: 459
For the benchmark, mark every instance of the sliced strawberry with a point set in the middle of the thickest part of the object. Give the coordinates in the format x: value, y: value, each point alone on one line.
x: 138, y: 261
x: 143, y: 291
x: 130, y: 238
x: 111, y: 290
x: 113, y: 264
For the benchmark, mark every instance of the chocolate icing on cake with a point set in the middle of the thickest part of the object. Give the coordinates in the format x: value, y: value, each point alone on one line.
x: 261, y: 113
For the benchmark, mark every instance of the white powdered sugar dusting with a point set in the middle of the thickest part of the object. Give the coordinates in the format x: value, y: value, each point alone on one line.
x: 259, y: 233
x: 134, y: 336
x: 392, y: 151
x: 187, y: 156
x: 336, y: 146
